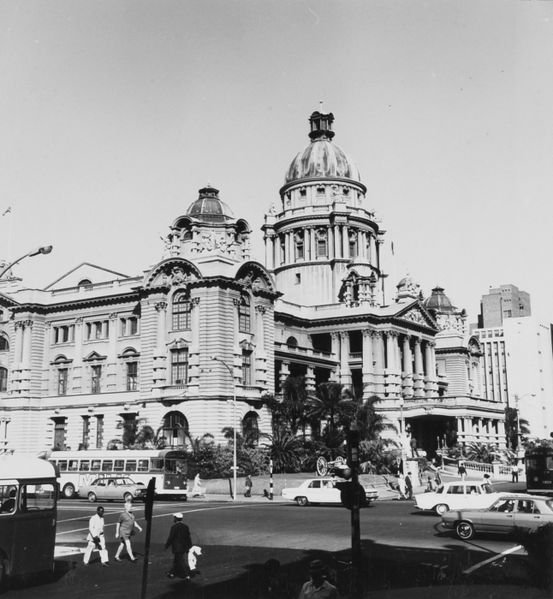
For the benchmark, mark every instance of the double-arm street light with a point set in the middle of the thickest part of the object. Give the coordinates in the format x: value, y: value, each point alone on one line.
x: 234, y: 465
x: 43, y: 249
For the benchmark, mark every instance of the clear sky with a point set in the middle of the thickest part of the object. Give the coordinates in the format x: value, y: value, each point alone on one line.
x: 113, y: 114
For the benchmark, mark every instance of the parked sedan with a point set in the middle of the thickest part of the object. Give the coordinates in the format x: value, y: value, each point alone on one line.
x: 509, y: 511
x: 457, y: 495
x: 321, y: 490
x: 111, y: 488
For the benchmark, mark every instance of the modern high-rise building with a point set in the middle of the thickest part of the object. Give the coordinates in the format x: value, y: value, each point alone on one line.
x: 506, y: 301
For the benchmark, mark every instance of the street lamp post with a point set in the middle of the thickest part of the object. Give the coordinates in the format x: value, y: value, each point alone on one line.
x: 517, y: 409
x: 234, y: 465
x: 43, y: 249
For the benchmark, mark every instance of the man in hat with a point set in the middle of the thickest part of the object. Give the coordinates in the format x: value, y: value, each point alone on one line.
x: 318, y: 587
x: 180, y: 542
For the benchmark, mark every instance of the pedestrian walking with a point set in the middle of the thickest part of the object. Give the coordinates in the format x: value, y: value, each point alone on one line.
x: 249, y: 484
x: 462, y: 471
x: 429, y: 485
x: 180, y: 542
x: 487, y: 486
x: 514, y: 473
x: 197, y: 490
x: 438, y: 479
x: 95, y: 538
x: 409, y: 485
x: 318, y: 586
x: 401, y: 485
x: 124, y: 530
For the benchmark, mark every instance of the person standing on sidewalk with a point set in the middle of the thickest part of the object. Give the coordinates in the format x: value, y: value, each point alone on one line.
x: 180, y: 542
x: 124, y: 529
x: 249, y: 484
x: 95, y: 537
x: 409, y: 485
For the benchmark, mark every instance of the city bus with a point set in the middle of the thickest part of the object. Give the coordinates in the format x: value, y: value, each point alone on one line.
x: 539, y: 470
x: 28, y: 496
x: 168, y: 466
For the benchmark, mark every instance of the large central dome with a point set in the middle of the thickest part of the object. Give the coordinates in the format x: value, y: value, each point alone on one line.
x: 322, y: 158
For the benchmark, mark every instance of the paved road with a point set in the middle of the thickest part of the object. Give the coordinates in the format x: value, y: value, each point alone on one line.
x: 238, y: 538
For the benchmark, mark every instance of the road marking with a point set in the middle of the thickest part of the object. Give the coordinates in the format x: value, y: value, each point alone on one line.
x: 189, y: 511
x: 492, y: 559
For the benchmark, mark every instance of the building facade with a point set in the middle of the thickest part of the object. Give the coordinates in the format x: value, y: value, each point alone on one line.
x: 506, y: 301
x: 191, y: 345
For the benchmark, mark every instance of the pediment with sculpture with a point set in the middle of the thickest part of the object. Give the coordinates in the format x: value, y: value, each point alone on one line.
x: 173, y: 272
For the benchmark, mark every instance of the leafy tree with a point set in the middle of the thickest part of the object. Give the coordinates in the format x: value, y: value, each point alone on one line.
x: 515, y: 427
x: 332, y: 404
x: 370, y: 423
x: 285, y: 449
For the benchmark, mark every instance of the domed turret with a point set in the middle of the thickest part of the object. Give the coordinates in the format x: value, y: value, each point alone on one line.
x: 322, y: 158
x: 209, y: 208
x: 439, y: 302
x: 408, y: 288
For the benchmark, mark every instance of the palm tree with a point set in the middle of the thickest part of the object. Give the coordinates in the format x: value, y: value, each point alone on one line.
x: 285, y: 449
x: 370, y: 423
x: 332, y: 403
x: 294, y: 397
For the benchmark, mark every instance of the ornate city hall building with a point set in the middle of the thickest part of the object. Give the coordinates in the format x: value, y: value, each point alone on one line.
x: 193, y: 344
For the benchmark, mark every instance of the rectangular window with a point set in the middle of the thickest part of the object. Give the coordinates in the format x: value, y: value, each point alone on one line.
x: 62, y: 381
x: 246, y: 368
x: 119, y: 465
x: 73, y: 465
x: 59, y: 433
x: 99, y: 431
x: 84, y: 466
x: 96, y: 376
x: 95, y: 465
x: 86, y: 431
x: 36, y: 498
x: 62, y: 465
x: 143, y: 466
x: 179, y: 366
x: 3, y: 379
x: 131, y: 466
x: 107, y: 465
x: 132, y: 376
x: 321, y: 248
x: 132, y: 328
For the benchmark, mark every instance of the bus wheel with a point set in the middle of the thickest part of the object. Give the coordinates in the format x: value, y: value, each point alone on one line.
x: 68, y: 491
x: 92, y: 497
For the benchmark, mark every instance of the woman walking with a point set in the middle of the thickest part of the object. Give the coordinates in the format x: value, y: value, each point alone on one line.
x: 124, y: 529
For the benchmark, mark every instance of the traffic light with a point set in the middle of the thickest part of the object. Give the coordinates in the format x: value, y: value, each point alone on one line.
x: 348, y: 488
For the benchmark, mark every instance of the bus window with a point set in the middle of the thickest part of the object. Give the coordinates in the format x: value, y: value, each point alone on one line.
x: 73, y: 465
x: 85, y: 466
x: 107, y: 465
x: 549, y: 462
x: 131, y: 466
x: 95, y: 465
x: 178, y: 466
x: 62, y: 465
x: 156, y: 464
x: 119, y: 465
x: 8, y: 496
x: 38, y: 497
x: 143, y: 466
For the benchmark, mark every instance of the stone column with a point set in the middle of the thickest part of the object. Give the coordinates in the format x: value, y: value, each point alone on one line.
x: 337, y: 243
x: 160, y: 356
x: 344, y: 241
x: 418, y: 377
x: 407, y: 368
x: 260, y: 353
x: 284, y: 373
x: 368, y: 363
x: 345, y: 372
x: 313, y: 239
x: 378, y: 353
x: 310, y: 380
x: 76, y: 379
x: 111, y: 365
x: 331, y: 246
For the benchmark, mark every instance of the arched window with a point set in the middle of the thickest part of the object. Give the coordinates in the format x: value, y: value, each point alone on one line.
x: 3, y: 379
x: 291, y: 342
x: 175, y: 429
x: 85, y: 284
x: 181, y: 311
x: 244, y: 314
x: 250, y: 429
x: 4, y: 344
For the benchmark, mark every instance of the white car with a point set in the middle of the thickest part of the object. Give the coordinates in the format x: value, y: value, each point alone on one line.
x: 321, y: 490
x: 457, y: 495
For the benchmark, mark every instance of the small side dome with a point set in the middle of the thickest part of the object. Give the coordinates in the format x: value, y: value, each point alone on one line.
x: 209, y: 208
x: 322, y: 158
x: 408, y: 288
x: 439, y: 302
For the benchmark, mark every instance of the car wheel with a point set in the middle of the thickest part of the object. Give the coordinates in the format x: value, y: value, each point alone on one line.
x: 441, y: 508
x: 127, y: 496
x: 464, y: 530
x: 92, y: 497
x: 302, y: 501
x: 68, y: 491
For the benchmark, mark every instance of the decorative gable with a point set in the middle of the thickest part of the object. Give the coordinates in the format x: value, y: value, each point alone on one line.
x: 419, y: 316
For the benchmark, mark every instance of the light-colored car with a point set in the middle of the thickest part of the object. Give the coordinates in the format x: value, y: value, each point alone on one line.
x: 322, y: 490
x: 112, y: 488
x: 509, y: 511
x: 457, y: 495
